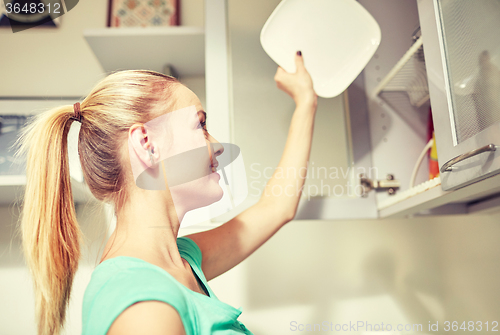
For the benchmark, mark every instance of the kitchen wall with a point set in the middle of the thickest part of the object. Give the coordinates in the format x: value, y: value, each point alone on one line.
x: 406, y: 271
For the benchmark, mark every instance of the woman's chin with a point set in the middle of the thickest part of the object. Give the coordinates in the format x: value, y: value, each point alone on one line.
x: 221, y: 194
x: 200, y: 193
x: 217, y: 188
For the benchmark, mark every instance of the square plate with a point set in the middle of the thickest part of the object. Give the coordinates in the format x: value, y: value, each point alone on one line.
x: 337, y: 39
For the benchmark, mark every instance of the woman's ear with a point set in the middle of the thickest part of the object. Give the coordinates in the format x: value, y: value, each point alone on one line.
x: 144, y: 148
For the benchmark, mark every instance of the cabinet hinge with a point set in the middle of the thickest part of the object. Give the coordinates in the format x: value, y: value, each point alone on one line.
x: 390, y: 184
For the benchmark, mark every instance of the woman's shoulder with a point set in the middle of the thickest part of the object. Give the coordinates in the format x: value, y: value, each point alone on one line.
x: 123, y: 270
x: 119, y: 282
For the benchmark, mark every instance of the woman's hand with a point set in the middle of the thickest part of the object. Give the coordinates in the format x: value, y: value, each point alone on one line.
x: 298, y: 85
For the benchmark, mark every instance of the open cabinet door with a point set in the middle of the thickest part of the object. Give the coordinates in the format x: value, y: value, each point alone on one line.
x: 462, y: 54
x: 398, y: 122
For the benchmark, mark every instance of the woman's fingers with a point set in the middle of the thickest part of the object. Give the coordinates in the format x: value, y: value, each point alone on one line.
x: 282, y: 79
x: 299, y: 63
x: 279, y: 73
x: 299, y: 84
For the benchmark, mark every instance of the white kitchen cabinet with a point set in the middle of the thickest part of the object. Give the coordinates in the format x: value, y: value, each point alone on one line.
x: 386, y: 112
x: 395, y: 84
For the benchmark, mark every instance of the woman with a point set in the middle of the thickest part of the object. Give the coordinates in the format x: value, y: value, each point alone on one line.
x: 149, y: 281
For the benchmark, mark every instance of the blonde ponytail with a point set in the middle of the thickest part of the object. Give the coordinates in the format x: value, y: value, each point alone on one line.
x: 50, y: 233
x: 49, y: 230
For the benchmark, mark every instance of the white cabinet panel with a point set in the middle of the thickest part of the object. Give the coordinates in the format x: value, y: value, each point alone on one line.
x: 462, y: 54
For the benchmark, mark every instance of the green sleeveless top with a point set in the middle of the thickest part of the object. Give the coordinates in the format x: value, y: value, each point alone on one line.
x: 122, y: 281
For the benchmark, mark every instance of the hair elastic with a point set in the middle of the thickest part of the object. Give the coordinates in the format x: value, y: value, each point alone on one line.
x: 78, y: 113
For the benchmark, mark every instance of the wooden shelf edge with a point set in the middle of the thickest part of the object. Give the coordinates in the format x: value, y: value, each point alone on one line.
x: 139, y: 31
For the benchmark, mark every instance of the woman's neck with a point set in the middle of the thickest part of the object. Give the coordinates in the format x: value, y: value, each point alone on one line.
x: 147, y: 227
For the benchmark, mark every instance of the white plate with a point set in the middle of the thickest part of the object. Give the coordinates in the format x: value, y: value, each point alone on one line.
x: 337, y: 39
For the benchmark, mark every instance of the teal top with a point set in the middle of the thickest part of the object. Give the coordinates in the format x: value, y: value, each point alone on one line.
x: 122, y: 281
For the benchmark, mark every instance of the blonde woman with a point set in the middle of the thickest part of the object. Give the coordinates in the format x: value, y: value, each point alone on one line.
x: 149, y: 281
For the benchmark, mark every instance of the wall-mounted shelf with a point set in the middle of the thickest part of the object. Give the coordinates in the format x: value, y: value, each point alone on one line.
x: 150, y: 48
x: 12, y: 177
x: 12, y: 188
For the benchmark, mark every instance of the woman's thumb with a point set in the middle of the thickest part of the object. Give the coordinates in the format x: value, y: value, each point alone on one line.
x: 299, y: 61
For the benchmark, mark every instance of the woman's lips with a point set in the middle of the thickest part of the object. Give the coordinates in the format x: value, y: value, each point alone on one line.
x: 214, y: 165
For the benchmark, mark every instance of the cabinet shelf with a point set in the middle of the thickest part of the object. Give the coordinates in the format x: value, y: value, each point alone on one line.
x: 429, y: 195
x: 15, y: 113
x: 150, y: 48
x: 409, y: 76
x: 409, y: 194
x: 12, y: 188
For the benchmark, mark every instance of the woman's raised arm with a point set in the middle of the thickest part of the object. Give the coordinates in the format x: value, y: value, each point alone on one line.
x: 227, y: 245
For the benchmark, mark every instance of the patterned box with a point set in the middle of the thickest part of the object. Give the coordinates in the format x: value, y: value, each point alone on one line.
x: 143, y: 13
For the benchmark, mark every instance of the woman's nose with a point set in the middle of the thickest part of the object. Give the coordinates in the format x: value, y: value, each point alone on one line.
x: 218, y: 148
